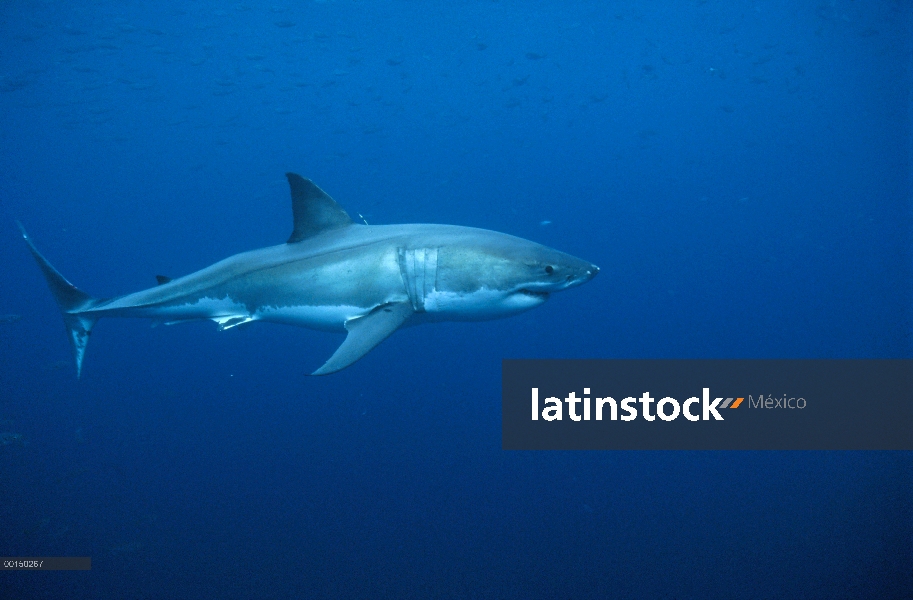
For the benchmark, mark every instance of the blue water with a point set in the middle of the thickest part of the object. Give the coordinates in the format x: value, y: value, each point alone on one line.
x: 741, y: 172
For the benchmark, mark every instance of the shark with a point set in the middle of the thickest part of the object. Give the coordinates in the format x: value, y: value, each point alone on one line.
x: 334, y: 274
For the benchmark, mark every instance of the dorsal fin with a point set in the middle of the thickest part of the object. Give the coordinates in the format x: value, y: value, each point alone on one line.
x: 162, y: 279
x: 313, y: 210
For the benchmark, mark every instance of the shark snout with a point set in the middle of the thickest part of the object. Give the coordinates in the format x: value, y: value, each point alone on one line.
x: 583, y: 275
x: 577, y: 276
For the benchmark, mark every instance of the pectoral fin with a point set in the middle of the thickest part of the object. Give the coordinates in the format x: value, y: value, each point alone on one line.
x: 365, y: 333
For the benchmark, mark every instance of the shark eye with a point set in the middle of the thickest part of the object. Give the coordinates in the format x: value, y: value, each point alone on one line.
x: 549, y: 269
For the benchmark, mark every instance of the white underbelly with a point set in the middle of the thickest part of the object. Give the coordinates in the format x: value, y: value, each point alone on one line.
x: 327, y: 317
x: 229, y: 313
x: 480, y: 305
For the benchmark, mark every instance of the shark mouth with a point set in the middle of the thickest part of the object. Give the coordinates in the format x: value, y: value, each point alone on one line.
x: 535, y: 294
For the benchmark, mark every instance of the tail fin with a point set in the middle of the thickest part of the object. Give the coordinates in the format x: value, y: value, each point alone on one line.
x: 72, y: 302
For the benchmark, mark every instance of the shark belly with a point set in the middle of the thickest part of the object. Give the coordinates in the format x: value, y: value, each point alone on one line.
x: 480, y: 305
x: 320, y: 317
x: 321, y: 292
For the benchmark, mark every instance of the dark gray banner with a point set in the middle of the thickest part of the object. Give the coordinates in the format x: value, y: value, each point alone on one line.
x: 707, y: 404
x: 46, y: 563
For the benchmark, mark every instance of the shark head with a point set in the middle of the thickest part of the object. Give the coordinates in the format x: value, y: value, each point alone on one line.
x: 497, y: 275
x: 545, y: 270
x: 530, y: 278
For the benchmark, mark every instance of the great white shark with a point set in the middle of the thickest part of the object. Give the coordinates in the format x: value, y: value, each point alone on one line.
x: 336, y: 275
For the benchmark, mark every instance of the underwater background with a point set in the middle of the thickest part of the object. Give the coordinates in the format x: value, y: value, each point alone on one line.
x: 740, y: 171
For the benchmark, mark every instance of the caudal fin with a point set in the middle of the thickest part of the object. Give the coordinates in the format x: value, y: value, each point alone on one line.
x: 72, y: 302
